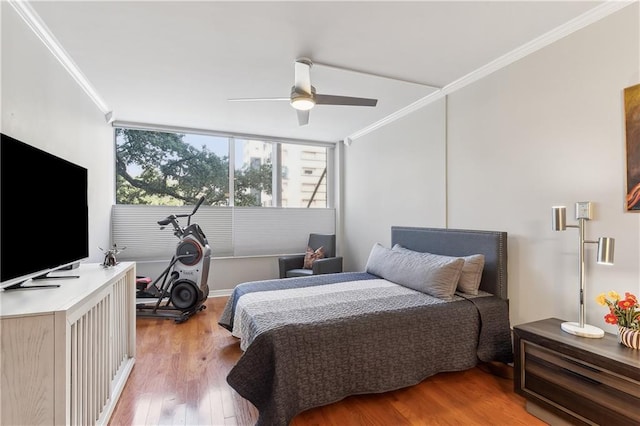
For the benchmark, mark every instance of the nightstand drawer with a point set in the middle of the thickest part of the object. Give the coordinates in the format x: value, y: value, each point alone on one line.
x: 597, y: 394
x: 537, y: 357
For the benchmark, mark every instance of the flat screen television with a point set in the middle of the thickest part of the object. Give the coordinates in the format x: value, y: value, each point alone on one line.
x: 44, y: 215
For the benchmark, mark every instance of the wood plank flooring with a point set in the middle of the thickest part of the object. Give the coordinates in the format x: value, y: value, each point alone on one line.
x: 179, y: 379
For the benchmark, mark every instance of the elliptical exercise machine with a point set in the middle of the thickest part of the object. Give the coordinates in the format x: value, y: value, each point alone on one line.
x: 182, y: 288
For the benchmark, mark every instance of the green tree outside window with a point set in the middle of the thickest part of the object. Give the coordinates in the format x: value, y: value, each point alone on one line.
x: 159, y: 168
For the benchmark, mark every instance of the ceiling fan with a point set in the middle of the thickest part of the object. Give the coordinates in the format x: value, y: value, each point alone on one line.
x: 304, y: 97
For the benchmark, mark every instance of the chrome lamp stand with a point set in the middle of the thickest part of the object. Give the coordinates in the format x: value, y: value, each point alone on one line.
x: 605, y: 256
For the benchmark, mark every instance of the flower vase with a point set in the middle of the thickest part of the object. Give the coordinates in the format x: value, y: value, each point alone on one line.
x: 629, y: 337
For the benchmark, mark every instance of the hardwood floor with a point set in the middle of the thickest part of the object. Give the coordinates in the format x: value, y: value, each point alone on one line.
x: 179, y: 379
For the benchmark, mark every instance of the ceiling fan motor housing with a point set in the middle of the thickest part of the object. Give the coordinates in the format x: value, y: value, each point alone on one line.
x: 301, y: 100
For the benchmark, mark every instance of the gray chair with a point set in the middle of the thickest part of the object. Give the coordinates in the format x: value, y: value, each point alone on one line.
x: 292, y: 266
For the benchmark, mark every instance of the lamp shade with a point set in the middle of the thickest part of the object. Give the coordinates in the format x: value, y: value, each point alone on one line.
x: 605, y: 250
x: 559, y: 218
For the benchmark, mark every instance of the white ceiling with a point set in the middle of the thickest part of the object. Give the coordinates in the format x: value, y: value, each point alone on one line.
x: 176, y: 63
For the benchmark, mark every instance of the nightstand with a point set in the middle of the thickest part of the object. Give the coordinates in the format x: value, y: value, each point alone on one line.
x: 568, y: 379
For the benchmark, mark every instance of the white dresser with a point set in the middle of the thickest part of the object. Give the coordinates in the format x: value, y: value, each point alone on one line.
x: 67, y: 352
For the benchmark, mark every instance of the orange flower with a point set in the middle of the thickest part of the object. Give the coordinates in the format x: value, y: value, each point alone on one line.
x: 626, y: 304
x: 611, y: 319
x: 622, y: 312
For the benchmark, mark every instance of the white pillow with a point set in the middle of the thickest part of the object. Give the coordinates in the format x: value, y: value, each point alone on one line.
x: 428, y: 273
x: 471, y: 271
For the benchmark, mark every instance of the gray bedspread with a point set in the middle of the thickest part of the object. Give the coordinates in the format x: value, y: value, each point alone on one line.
x: 374, y: 340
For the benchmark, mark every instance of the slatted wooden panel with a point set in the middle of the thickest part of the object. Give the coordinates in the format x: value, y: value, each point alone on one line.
x: 89, y: 344
x: 101, y: 346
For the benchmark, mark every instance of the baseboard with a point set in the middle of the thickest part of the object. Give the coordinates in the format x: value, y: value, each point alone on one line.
x: 220, y: 293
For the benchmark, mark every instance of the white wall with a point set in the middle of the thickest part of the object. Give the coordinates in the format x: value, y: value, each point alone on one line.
x: 393, y: 176
x: 546, y: 130
x: 44, y: 107
x: 549, y: 130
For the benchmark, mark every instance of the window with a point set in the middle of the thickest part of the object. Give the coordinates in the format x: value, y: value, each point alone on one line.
x: 253, y: 178
x: 160, y: 168
x: 305, y: 182
x: 169, y: 168
x: 163, y: 172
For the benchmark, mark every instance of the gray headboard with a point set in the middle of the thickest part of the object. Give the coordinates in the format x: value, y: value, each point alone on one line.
x: 461, y: 242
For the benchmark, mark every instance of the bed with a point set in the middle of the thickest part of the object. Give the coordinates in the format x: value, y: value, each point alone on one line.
x: 315, y: 340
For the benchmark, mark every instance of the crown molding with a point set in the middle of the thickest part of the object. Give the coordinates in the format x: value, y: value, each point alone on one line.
x: 37, y: 25
x: 597, y: 13
x: 576, y: 24
x: 420, y: 103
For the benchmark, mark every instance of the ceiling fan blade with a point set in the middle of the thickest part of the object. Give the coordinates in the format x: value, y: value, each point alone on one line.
x: 344, y: 100
x: 303, y: 117
x: 257, y: 99
x: 303, y: 76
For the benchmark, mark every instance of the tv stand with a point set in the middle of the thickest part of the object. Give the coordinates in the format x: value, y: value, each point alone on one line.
x: 67, y: 353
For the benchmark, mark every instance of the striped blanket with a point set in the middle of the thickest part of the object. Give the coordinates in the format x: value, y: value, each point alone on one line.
x: 315, y: 340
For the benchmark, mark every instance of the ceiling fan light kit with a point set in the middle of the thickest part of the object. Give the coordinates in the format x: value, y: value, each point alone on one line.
x: 303, y: 95
x: 302, y: 101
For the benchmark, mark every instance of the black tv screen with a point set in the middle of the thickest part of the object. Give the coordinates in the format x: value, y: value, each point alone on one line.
x: 44, y: 221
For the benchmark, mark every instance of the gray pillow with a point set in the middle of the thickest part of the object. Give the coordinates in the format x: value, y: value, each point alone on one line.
x: 428, y: 273
x: 471, y: 274
x: 471, y: 271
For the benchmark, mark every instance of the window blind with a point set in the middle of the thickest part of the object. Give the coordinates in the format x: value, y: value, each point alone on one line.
x: 231, y: 231
x: 258, y: 231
